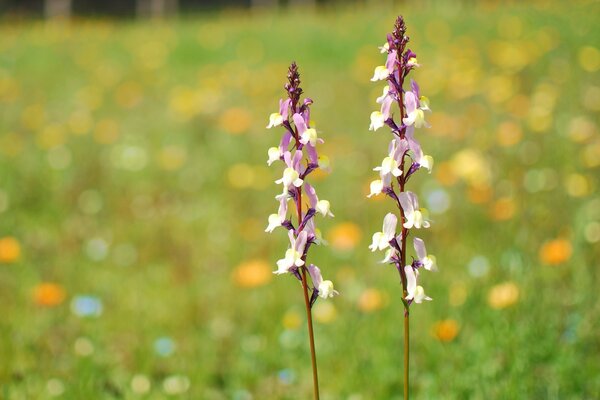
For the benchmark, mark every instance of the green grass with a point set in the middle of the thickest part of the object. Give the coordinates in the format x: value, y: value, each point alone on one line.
x: 117, y: 144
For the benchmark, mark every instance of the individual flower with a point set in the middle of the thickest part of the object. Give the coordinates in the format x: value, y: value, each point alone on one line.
x: 307, y: 135
x: 378, y: 118
x: 276, y: 119
x: 381, y: 240
x: 274, y: 154
x: 276, y: 220
x: 321, y: 206
x: 381, y: 73
x: 291, y: 175
x: 376, y: 187
x: 415, y: 115
x: 427, y: 261
x: 412, y: 213
x: 293, y: 255
x: 324, y: 287
x: 415, y: 292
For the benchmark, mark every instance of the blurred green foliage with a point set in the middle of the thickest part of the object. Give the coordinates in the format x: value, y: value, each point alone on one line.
x: 134, y: 194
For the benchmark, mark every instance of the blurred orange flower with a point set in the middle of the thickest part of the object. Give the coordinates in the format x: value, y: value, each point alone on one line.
x: 252, y: 273
x: 555, y: 251
x: 10, y: 250
x: 345, y: 236
x: 445, y: 330
x: 235, y: 121
x: 48, y: 294
x: 503, y: 209
x: 370, y: 300
x: 503, y: 295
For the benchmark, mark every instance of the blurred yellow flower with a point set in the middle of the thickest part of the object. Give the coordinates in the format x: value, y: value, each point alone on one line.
x: 184, y: 103
x: 445, y: 330
x: 472, y: 166
x: 128, y: 94
x: 51, y: 136
x: 48, y: 294
x: 80, y: 122
x: 9, y: 89
x: 371, y: 300
x: 325, y: 312
x: 589, y: 58
x: 503, y: 209
x: 291, y: 320
x: 509, y: 134
x: 252, y: 273
x: 171, y: 158
x: 241, y: 176
x: 581, y: 129
x: 503, y: 295
x: 344, y: 236
x: 235, y: 121
x: 458, y: 294
x: 577, y: 185
x: 444, y: 174
x: 591, y: 154
x: 106, y: 131
x: 479, y: 194
x: 501, y: 88
x: 555, y: 251
x: 33, y: 117
x: 10, y: 250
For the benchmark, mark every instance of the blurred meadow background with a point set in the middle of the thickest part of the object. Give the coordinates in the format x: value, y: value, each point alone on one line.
x: 134, y: 192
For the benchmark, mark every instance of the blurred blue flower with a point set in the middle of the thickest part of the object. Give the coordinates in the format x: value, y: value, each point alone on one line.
x: 86, y: 306
x: 286, y: 376
x: 164, y: 346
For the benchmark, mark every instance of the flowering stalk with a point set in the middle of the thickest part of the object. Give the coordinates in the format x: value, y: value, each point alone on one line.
x: 405, y: 157
x: 298, y: 151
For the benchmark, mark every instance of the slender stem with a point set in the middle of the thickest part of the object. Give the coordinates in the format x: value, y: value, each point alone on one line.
x: 406, y: 351
x: 311, y: 337
x: 403, y: 260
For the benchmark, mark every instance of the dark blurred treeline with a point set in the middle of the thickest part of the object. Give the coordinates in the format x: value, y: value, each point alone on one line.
x: 130, y: 8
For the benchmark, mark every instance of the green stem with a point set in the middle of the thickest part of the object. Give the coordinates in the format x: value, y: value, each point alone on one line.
x: 311, y: 337
x: 406, y: 351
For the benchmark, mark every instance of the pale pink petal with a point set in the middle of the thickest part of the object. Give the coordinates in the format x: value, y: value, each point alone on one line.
x: 315, y: 275
x: 420, y: 248
x: 389, y: 226
x: 410, y: 102
x: 312, y: 195
x: 411, y: 282
x: 300, y: 124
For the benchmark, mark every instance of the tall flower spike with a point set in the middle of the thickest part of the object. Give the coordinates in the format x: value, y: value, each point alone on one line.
x: 405, y: 157
x: 298, y: 152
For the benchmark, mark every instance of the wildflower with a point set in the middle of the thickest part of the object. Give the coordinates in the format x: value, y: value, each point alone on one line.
x: 293, y: 255
x: 381, y: 240
x: 415, y: 114
x: 321, y: 206
x: 291, y: 175
x: 415, y: 292
x: 301, y: 139
x: 376, y: 187
x: 427, y: 261
x: 276, y: 220
x: 381, y: 73
x: 276, y: 119
x: 274, y: 155
x: 324, y: 287
x: 405, y: 157
x: 412, y: 213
